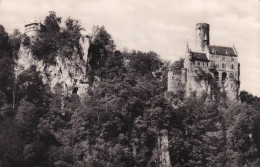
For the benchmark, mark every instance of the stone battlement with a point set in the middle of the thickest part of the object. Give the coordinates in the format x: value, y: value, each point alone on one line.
x: 202, y: 25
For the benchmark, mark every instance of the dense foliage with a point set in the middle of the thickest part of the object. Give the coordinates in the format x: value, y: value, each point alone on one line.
x: 119, y: 122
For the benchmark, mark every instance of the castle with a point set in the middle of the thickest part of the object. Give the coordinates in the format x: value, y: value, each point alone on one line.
x: 221, y: 62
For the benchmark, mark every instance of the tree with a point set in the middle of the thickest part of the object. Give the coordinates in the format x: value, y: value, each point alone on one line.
x: 6, y: 66
x: 101, y: 48
x: 249, y: 98
x: 144, y: 63
x: 69, y: 38
x: 57, y: 40
x: 52, y: 23
x: 4, y: 45
x: 47, y: 44
x: 15, y: 40
x: 177, y: 66
x: 31, y: 87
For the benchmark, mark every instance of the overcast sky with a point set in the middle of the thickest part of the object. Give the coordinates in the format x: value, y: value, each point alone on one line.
x: 163, y: 26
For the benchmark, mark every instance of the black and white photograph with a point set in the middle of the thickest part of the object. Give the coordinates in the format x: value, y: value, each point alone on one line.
x: 129, y: 83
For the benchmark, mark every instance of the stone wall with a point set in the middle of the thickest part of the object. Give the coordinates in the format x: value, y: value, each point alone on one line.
x: 174, y: 81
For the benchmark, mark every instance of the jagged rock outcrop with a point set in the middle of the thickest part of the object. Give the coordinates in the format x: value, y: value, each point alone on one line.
x: 69, y: 73
x: 232, y: 87
x: 163, y: 143
x: 193, y: 84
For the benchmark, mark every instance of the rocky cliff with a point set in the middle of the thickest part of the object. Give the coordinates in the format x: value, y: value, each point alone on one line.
x: 69, y: 73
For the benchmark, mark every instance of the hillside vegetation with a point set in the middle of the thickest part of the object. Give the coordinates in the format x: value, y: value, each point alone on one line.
x: 119, y: 122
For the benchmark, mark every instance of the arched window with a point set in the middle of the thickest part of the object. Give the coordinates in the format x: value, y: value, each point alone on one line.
x: 224, y: 76
x: 198, y: 63
x: 231, y: 76
x: 223, y: 65
x: 232, y: 66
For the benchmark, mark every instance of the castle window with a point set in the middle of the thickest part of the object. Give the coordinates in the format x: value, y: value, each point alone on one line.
x: 232, y: 59
x: 194, y: 63
x: 232, y: 66
x: 223, y: 65
x: 198, y: 63
x: 231, y: 76
x: 223, y: 58
x: 217, y: 65
x: 224, y: 76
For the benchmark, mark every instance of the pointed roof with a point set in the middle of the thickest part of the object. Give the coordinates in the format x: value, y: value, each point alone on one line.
x: 221, y: 50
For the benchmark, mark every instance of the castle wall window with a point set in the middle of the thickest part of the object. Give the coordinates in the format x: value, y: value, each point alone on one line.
x: 223, y: 58
x: 231, y: 75
x: 216, y: 75
x: 223, y: 65
x: 232, y: 59
x: 198, y: 63
x: 217, y: 65
x: 194, y: 63
x: 224, y: 76
x: 232, y: 66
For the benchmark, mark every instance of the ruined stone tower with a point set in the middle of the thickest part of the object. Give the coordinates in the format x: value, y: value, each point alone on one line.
x: 219, y: 61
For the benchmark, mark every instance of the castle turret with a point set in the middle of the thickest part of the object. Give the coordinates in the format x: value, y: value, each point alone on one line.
x: 202, y: 36
x: 32, y: 30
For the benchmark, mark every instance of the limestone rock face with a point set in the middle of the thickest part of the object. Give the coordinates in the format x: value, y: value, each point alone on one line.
x: 231, y: 87
x: 192, y: 85
x: 163, y: 144
x: 69, y: 73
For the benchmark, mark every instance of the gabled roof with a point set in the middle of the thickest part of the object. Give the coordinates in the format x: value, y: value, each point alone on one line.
x: 221, y: 50
x: 199, y: 56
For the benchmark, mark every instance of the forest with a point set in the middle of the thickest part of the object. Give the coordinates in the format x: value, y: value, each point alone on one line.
x: 119, y: 121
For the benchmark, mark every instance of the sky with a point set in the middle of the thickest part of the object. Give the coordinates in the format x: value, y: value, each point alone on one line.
x: 162, y: 26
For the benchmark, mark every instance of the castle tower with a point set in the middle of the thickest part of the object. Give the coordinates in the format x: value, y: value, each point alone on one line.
x: 202, y: 36
x: 32, y: 30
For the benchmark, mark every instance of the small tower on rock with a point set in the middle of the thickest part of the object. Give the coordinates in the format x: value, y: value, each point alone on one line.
x: 32, y: 30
